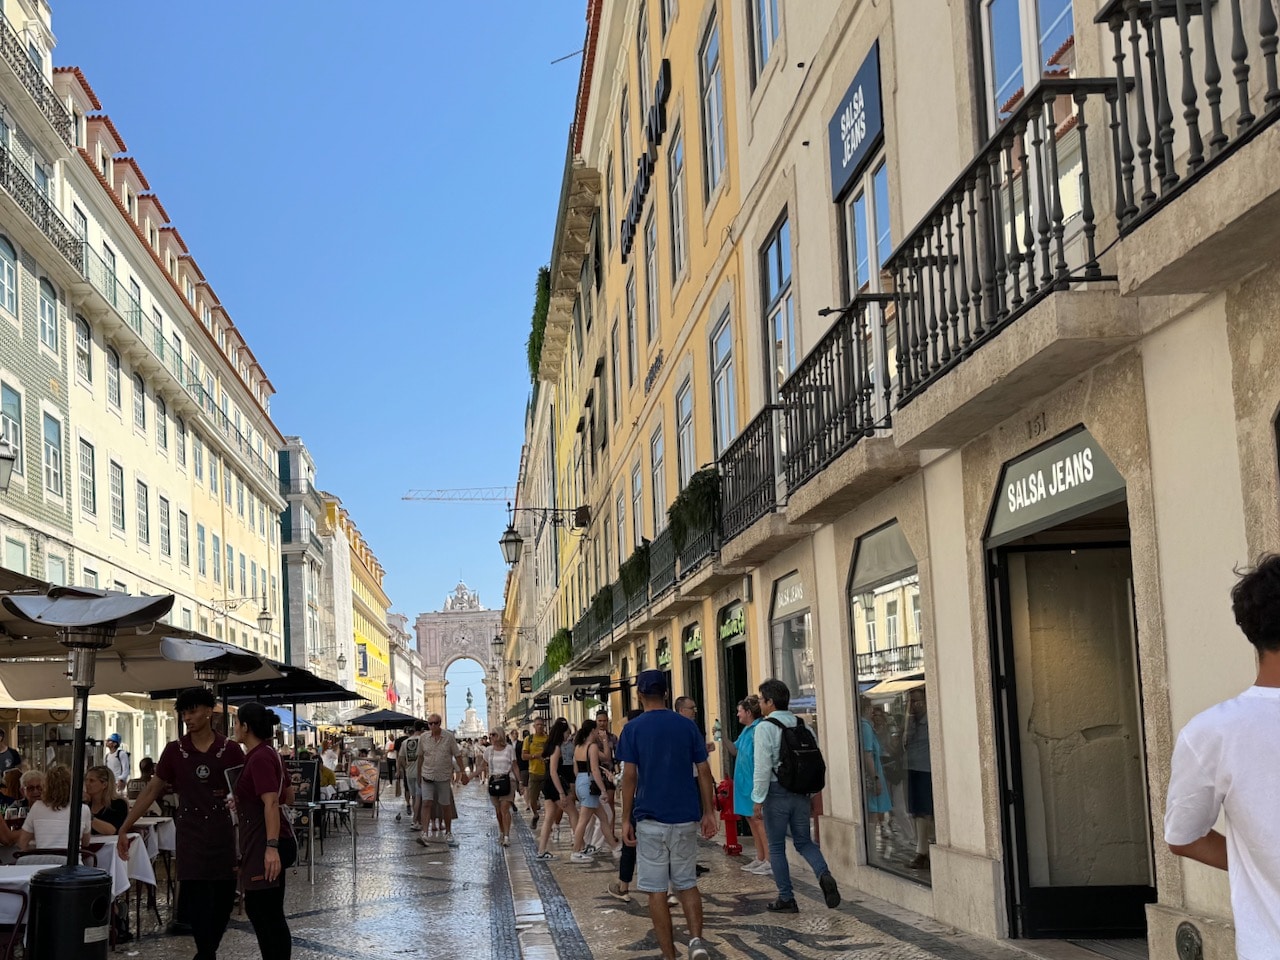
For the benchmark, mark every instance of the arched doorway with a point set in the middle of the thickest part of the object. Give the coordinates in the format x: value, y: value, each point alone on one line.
x: 465, y: 689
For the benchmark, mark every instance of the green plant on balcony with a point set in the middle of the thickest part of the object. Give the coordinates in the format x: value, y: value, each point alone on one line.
x: 696, y: 507
x: 634, y: 571
x: 602, y: 605
x: 541, y: 306
x: 560, y: 649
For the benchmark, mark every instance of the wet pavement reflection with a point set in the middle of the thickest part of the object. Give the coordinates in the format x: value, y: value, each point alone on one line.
x: 481, y: 901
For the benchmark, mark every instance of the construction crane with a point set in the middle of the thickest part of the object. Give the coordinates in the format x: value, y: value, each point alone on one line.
x: 465, y: 495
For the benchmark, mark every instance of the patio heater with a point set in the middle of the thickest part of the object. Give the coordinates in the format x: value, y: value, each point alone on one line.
x: 71, y: 904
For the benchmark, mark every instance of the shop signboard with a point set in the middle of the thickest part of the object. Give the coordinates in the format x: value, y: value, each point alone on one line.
x: 1060, y: 481
x: 693, y: 641
x: 305, y: 777
x: 526, y: 684
x: 857, y: 124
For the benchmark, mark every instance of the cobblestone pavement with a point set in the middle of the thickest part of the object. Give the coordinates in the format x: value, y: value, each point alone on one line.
x: 481, y: 902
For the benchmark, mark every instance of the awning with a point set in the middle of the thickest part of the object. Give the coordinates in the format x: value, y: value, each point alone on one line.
x: 289, y: 722
x: 892, y: 686
x: 97, y: 701
x: 383, y: 720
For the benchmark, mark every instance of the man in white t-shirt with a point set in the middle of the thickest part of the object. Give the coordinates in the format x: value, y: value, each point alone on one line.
x: 1227, y: 760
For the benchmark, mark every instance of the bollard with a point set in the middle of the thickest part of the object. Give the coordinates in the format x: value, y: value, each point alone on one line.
x: 724, y: 803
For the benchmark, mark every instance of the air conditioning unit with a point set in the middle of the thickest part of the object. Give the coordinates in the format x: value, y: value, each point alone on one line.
x: 581, y: 517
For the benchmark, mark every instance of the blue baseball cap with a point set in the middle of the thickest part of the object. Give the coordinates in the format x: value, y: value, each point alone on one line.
x: 651, y: 683
x: 114, y: 738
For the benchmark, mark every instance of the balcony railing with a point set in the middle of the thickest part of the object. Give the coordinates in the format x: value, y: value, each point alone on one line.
x: 1016, y: 225
x: 36, y: 204
x: 619, y: 603
x: 748, y: 471
x: 830, y: 400
x: 885, y: 663
x: 698, y: 545
x: 32, y: 77
x: 541, y: 676
x: 636, y: 602
x: 1170, y: 49
x: 662, y: 563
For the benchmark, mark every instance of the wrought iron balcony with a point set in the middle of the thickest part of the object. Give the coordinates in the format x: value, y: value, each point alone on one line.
x: 32, y: 77
x: 749, y: 475
x: 698, y: 545
x: 1014, y: 227
x: 885, y: 663
x: 542, y: 676
x: 1160, y: 152
x: 619, y: 603
x: 37, y: 205
x: 831, y: 399
x: 662, y: 563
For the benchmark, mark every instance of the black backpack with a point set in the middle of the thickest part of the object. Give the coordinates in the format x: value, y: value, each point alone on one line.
x: 801, y: 768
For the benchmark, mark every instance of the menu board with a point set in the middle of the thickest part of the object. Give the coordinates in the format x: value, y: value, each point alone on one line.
x: 305, y: 777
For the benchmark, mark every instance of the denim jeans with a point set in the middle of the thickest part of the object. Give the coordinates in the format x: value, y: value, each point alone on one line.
x: 783, y: 811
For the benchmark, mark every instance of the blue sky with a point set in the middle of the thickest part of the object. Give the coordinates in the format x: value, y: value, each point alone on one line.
x: 370, y: 190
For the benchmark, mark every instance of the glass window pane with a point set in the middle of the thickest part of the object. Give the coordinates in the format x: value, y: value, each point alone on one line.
x: 861, y: 242
x: 1056, y: 28
x: 880, y: 187
x: 1004, y: 31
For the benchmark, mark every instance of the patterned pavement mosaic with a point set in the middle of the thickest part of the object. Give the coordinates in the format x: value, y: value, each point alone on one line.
x: 483, y: 902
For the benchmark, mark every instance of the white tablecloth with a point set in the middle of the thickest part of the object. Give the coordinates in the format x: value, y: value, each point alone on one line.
x: 18, y: 879
x: 160, y: 835
x: 138, y: 867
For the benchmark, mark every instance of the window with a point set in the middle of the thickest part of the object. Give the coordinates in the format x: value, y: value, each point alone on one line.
x: 765, y: 15
x: 724, y: 419
x: 253, y: 578
x: 8, y: 276
x: 15, y: 555
x: 144, y: 513
x: 184, y: 538
x: 89, y: 577
x: 88, y: 479
x: 1025, y: 40
x: 643, y: 77
x: 651, y: 275
x: 620, y: 519
x: 53, y: 455
x: 40, y: 173
x: 669, y: 10
x: 633, y: 358
x: 180, y: 436
x: 135, y: 292
x: 231, y: 567
x: 213, y: 473
x: 657, y: 469
x: 11, y: 422
x: 893, y: 726
x: 624, y: 138
x: 197, y: 456
x: 610, y: 227
x: 637, y: 506
x: 36, y: 57
x: 675, y: 199
x: 202, y: 563
x: 84, y: 358
x: 56, y: 570
x: 48, y: 315
x: 867, y: 227
x: 113, y: 376
x: 226, y: 483
x: 615, y: 360
x: 711, y: 71
x: 686, y: 451
x: 244, y: 580
x: 162, y: 423
x: 79, y: 222
x: 139, y: 403
x: 217, y: 558
x: 775, y: 269
x: 109, y: 281
x: 239, y: 496
x: 162, y: 510
x: 117, y: 495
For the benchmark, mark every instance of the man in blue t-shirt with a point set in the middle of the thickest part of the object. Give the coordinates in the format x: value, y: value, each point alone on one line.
x: 666, y: 805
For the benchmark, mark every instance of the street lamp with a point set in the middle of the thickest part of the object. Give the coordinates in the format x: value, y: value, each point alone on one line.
x: 342, y: 661
x: 512, y: 543
x: 8, y: 460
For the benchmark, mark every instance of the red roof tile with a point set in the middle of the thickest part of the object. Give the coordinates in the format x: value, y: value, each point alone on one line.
x: 84, y: 84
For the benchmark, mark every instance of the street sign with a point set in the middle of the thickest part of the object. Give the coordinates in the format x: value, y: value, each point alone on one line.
x: 526, y: 684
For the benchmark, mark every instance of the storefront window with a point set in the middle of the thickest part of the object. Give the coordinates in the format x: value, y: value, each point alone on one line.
x: 892, y: 708
x: 694, y: 683
x: 791, y: 640
x: 663, y: 659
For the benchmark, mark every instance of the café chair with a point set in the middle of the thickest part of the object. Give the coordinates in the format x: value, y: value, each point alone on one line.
x: 55, y: 857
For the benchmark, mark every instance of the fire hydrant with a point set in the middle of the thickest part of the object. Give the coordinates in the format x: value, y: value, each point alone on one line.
x: 724, y: 803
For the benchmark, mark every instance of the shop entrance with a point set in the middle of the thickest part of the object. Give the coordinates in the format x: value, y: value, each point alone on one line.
x: 694, y: 683
x: 731, y: 631
x: 1077, y: 820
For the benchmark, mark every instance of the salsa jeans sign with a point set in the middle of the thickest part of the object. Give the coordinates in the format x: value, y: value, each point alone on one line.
x: 858, y: 123
x: 1065, y: 479
x: 655, y: 125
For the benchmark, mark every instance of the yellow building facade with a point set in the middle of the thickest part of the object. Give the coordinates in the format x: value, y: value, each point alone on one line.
x: 369, y: 608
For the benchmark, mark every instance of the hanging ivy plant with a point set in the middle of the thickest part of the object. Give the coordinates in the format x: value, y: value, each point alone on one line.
x: 538, y: 326
x: 634, y: 571
x: 602, y: 605
x: 560, y: 649
x: 696, y: 508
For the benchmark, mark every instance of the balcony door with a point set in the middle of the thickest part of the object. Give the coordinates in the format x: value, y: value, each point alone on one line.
x: 1023, y: 40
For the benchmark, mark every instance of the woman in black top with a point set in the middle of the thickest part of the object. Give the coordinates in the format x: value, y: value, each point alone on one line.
x: 108, y: 810
x: 558, y: 787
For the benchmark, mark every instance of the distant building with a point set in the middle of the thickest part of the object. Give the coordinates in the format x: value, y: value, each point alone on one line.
x: 463, y: 629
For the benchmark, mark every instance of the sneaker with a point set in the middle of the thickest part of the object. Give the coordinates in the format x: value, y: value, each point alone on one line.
x: 504, y: 841
x: 615, y: 890
x: 415, y: 827
x: 700, y: 870
x: 763, y: 869
x: 546, y: 855
x: 672, y: 900
x: 422, y: 839
x: 783, y: 906
x: 749, y: 867
x: 830, y: 892
x: 698, y: 949
x: 582, y: 857
x: 448, y: 838
x: 589, y: 849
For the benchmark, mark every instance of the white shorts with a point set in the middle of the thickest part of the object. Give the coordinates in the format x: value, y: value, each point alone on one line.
x: 437, y: 791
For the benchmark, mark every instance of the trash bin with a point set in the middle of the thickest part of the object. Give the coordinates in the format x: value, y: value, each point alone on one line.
x: 70, y: 914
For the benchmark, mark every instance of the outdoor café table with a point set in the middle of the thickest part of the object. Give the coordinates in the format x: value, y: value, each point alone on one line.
x: 138, y: 866
x: 159, y: 834
x: 17, y: 879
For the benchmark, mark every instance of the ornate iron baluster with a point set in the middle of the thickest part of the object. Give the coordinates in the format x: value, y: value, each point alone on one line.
x: 1055, y: 193
x: 1213, y: 83
x: 1164, y: 116
x: 1190, y: 112
x: 1015, y: 255
x: 1121, y: 142
x: 1091, y: 268
x: 997, y: 251
x: 953, y: 306
x: 963, y: 334
x: 1268, y: 44
x: 1028, y: 236
x: 1042, y: 200
x: 1240, y: 70
x: 1140, y: 111
x: 935, y: 303
x: 976, y: 243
